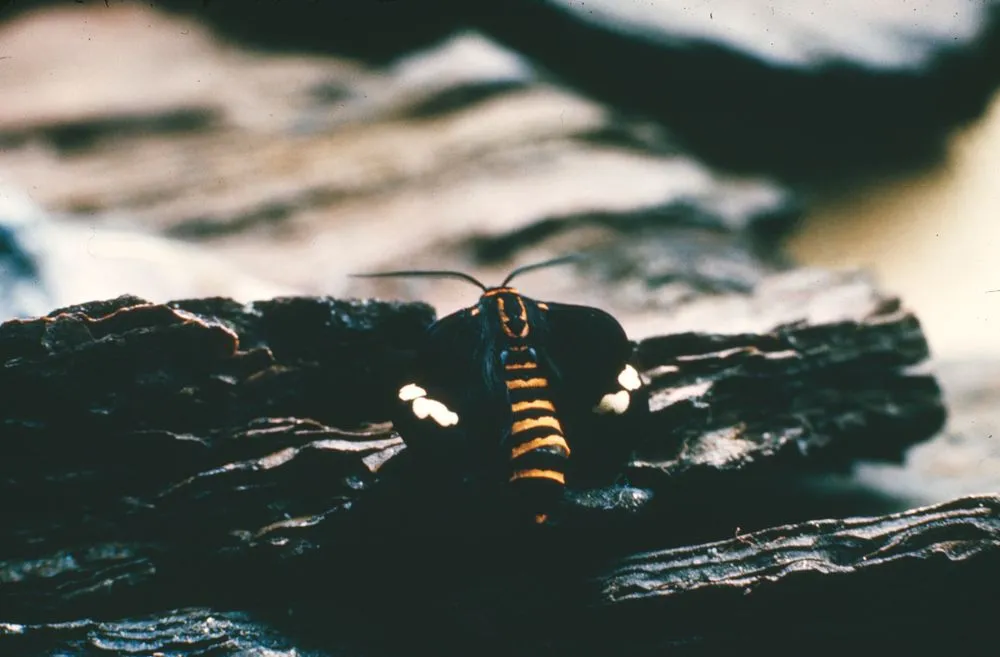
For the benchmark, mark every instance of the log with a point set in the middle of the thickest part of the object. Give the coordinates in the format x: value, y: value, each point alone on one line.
x: 908, y: 581
x: 143, y: 438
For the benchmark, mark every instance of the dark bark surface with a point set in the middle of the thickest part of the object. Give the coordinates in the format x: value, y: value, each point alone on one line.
x: 913, y: 581
x: 211, y: 455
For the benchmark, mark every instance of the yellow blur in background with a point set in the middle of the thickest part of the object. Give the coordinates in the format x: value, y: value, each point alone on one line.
x: 931, y: 237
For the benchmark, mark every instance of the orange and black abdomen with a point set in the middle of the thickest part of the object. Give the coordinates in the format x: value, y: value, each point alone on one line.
x: 536, y: 446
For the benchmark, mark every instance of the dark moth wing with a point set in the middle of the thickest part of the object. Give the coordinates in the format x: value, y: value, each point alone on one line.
x: 455, y: 367
x: 458, y: 355
x: 587, y: 349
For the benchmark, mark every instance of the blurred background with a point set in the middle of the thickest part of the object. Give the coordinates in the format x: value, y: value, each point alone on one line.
x: 691, y: 149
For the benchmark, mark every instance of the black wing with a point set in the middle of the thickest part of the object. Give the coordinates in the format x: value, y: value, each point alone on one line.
x: 455, y: 366
x: 587, y: 349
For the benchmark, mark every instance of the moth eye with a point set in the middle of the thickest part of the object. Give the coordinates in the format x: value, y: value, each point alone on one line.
x: 504, y: 355
x: 629, y: 378
x: 533, y: 353
x: 613, y: 402
x: 411, y: 391
x: 424, y: 408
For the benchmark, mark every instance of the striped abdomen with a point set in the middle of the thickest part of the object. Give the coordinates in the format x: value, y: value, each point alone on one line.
x: 538, y: 450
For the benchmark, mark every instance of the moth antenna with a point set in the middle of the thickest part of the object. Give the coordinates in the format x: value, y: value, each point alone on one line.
x: 540, y: 265
x: 420, y: 273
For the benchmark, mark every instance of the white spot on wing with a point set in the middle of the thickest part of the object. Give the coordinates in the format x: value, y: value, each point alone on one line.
x: 629, y: 378
x: 613, y: 402
x: 424, y: 407
x: 411, y: 391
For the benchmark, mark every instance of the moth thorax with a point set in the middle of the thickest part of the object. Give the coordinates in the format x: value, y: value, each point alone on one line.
x: 512, y: 313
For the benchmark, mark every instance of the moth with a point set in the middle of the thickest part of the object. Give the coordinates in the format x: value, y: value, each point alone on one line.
x: 519, y: 391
